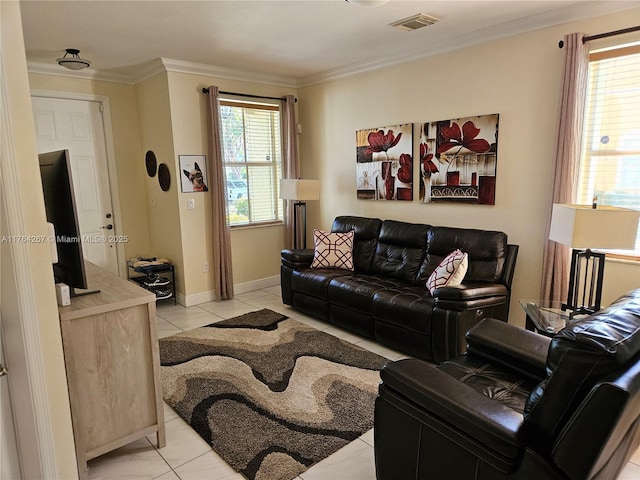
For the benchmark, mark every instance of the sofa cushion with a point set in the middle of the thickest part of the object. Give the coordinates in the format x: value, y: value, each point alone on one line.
x: 450, y: 272
x: 408, y: 307
x: 400, y: 250
x: 357, y: 291
x: 314, y: 281
x: 332, y: 250
x: 487, y: 252
x: 492, y: 381
x: 366, y: 238
x: 579, y: 356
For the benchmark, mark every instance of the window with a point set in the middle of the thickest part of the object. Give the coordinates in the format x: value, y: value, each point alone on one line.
x: 252, y: 161
x: 610, y: 163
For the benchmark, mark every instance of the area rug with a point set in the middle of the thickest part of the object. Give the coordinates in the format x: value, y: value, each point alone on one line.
x: 271, y: 395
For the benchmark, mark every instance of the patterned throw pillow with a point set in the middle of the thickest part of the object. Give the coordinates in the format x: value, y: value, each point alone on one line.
x: 451, y: 271
x: 333, y: 250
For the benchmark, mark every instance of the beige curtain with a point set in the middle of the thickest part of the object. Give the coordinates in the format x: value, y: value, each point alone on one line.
x: 555, y: 272
x: 290, y: 159
x: 221, y: 233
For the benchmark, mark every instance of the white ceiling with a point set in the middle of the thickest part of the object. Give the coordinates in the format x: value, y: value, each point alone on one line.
x: 299, y: 40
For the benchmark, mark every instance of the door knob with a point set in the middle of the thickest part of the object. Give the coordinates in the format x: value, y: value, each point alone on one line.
x: 3, y: 370
x: 108, y: 227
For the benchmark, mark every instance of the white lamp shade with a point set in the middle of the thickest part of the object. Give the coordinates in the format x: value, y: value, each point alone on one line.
x: 298, y: 189
x: 582, y: 227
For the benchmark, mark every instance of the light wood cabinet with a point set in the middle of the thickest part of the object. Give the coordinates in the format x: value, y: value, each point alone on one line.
x: 113, y: 366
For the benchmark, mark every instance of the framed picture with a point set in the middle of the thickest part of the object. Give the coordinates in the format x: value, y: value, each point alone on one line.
x: 458, y: 159
x: 384, y: 163
x: 193, y: 170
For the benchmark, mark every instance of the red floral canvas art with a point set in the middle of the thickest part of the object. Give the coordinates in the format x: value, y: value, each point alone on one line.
x: 458, y: 160
x: 384, y: 163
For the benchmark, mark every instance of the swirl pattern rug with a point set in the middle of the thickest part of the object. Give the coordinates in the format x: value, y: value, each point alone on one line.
x: 271, y: 395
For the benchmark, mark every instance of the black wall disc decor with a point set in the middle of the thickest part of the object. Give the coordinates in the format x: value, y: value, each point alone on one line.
x: 151, y: 163
x: 164, y: 177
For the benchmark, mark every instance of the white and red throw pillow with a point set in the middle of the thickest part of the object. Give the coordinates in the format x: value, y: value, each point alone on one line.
x: 450, y: 272
x: 333, y: 250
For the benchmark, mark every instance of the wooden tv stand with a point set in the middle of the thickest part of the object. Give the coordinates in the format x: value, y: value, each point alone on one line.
x: 113, y: 366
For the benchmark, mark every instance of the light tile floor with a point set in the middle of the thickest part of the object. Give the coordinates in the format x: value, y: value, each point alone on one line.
x: 188, y: 457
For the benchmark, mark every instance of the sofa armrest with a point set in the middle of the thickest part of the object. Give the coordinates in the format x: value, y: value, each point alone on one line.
x: 468, y: 296
x: 510, y: 265
x: 515, y: 348
x: 486, y: 420
x: 469, y: 291
x: 298, y: 258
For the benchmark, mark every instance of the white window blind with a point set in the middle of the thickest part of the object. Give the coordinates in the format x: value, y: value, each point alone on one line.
x: 610, y: 162
x: 253, y: 161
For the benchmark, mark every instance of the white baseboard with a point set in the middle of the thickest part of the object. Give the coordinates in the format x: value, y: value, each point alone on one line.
x: 256, y: 284
x: 196, y: 298
x: 209, y: 296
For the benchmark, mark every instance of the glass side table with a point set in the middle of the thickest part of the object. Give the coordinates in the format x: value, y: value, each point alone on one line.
x: 547, y: 318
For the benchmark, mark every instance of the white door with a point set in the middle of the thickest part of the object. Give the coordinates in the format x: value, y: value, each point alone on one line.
x: 77, y: 126
x: 9, y: 461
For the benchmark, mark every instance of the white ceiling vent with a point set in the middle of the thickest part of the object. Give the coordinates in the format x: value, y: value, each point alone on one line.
x: 415, y: 22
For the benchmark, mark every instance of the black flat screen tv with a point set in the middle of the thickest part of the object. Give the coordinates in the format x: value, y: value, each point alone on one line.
x: 60, y: 206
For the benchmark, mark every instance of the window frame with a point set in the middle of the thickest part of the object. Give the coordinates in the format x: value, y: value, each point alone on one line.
x: 277, y: 166
x: 598, y: 55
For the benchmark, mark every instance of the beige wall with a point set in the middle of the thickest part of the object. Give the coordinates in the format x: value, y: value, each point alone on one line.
x: 129, y: 157
x: 516, y: 77
x: 31, y: 269
x: 162, y: 207
x: 619, y: 277
x: 255, y: 251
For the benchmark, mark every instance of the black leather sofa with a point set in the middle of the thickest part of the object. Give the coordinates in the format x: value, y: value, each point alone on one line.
x: 385, y: 297
x: 517, y: 405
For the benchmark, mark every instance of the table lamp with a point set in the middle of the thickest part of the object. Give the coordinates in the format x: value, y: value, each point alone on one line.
x: 299, y: 190
x: 584, y: 228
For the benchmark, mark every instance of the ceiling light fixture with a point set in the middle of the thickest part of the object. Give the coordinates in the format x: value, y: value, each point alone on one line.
x: 74, y: 62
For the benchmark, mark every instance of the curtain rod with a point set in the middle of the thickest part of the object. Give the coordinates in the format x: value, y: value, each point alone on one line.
x: 588, y: 38
x: 206, y: 90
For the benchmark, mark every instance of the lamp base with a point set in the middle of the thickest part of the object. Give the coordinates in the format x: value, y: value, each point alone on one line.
x: 585, y: 282
x: 299, y: 224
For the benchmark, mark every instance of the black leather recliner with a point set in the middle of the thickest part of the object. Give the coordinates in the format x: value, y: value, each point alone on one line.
x: 517, y: 405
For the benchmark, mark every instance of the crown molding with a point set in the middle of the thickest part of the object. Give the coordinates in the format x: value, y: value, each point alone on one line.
x: 147, y: 70
x: 180, y: 66
x: 550, y: 18
x: 158, y: 66
x: 87, y: 74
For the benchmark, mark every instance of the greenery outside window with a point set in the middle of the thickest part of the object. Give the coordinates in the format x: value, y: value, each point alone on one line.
x: 610, y: 161
x: 252, y: 157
